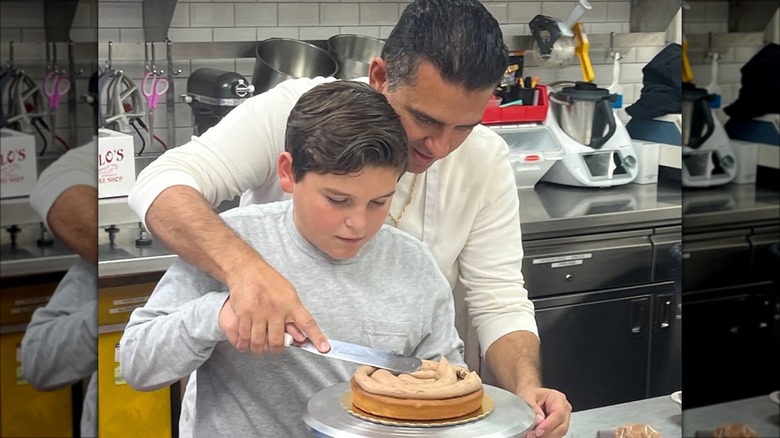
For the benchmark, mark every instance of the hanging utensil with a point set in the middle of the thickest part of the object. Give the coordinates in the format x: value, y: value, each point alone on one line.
x: 25, y: 102
x: 714, y: 88
x: 154, y: 87
x: 124, y: 102
x: 55, y: 86
x: 615, y: 87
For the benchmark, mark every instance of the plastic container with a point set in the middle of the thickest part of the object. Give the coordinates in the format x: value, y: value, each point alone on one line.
x: 532, y: 152
x: 494, y: 115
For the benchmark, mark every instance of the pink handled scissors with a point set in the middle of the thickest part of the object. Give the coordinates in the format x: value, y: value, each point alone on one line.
x: 55, y: 86
x: 153, y: 87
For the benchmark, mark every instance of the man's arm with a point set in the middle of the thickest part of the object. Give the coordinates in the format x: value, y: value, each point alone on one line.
x: 175, y: 196
x: 254, y: 285
x: 66, y: 197
x: 498, y: 303
x: 73, y: 220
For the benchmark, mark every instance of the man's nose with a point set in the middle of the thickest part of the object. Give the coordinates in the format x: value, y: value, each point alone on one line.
x: 439, y: 143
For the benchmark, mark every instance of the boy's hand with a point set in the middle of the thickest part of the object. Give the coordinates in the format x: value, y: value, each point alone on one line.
x: 265, y: 305
x: 228, y: 322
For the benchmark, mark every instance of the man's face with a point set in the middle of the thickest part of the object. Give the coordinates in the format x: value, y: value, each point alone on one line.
x: 436, y: 115
x: 340, y: 213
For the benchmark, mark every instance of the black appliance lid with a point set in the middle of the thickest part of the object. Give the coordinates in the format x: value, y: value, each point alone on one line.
x: 586, y: 91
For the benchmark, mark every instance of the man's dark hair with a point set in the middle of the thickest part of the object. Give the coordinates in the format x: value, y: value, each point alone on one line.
x: 340, y: 127
x: 460, y: 37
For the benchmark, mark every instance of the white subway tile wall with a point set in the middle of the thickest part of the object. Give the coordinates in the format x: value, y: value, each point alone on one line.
x: 232, y: 20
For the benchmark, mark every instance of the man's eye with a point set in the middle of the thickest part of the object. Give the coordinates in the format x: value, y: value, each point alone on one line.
x: 337, y: 201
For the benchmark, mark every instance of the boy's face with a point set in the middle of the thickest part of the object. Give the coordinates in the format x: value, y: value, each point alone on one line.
x: 340, y: 213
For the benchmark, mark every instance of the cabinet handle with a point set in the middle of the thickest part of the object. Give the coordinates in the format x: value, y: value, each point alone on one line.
x: 637, y: 315
x: 666, y: 311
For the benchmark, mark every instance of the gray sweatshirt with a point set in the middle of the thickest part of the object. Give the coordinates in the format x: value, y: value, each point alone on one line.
x: 390, y: 296
x: 59, y: 347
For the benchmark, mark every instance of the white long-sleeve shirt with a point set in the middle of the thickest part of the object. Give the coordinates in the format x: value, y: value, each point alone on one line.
x: 465, y: 207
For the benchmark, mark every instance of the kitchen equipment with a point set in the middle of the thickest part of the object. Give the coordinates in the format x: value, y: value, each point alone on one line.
x: 598, y: 151
x: 124, y: 102
x: 354, y: 53
x: 363, y: 355
x: 707, y: 156
x: 532, y: 151
x: 18, y: 173
x: 55, y: 86
x: 279, y: 59
x: 153, y: 87
x: 212, y: 94
x: 615, y: 87
x: 25, y: 102
x: 555, y: 40
x: 326, y: 417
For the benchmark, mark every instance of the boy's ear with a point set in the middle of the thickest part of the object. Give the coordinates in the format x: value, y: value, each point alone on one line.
x: 285, y: 171
x: 377, y: 74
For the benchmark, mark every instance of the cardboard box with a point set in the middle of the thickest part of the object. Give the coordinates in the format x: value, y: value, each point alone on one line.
x: 19, y: 171
x: 116, y: 164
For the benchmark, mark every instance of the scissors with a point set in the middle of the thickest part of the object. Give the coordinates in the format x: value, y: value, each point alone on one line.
x: 153, y: 87
x: 55, y: 86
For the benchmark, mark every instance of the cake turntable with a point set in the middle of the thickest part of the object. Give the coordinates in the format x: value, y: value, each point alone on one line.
x: 506, y: 416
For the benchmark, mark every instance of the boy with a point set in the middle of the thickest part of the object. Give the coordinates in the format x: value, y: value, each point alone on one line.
x: 366, y: 283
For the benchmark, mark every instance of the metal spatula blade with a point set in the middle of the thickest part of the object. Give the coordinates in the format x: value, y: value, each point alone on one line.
x: 362, y: 355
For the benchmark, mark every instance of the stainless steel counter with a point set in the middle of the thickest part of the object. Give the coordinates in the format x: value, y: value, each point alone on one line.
x: 547, y: 211
x: 659, y: 412
x: 552, y: 210
x: 760, y: 413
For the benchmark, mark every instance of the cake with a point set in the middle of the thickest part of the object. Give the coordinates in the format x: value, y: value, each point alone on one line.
x: 438, y: 391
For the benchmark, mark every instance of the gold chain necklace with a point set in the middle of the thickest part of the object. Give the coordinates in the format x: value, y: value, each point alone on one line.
x: 406, y: 204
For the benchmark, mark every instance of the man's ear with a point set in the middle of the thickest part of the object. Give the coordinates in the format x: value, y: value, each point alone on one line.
x: 377, y: 74
x: 285, y: 171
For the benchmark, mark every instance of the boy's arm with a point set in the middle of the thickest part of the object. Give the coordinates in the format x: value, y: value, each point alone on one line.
x: 443, y: 339
x: 175, y: 331
x: 59, y: 346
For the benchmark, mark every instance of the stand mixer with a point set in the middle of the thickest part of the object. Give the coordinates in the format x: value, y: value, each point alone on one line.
x: 598, y: 152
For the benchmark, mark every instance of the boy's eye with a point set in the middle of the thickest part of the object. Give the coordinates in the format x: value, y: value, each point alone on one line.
x: 380, y: 203
x: 337, y: 201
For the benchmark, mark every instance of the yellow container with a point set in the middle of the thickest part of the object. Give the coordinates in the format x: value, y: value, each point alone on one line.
x: 122, y: 411
x: 25, y: 411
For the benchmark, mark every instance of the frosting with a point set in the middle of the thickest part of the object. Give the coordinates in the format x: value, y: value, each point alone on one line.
x: 636, y: 431
x: 434, y: 381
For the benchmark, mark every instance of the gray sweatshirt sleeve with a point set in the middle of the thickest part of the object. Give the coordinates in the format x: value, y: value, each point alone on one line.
x: 444, y: 339
x: 175, y: 331
x: 59, y: 346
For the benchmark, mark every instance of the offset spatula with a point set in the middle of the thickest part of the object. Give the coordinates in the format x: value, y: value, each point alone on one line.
x: 362, y: 355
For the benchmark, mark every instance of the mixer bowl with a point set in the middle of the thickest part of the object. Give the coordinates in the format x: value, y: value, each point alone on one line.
x: 354, y: 54
x: 279, y: 59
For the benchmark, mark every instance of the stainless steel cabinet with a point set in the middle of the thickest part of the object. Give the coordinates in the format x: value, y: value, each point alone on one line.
x: 607, y: 307
x: 731, y: 306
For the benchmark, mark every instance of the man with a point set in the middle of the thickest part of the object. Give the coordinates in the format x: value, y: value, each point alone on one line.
x: 439, y: 67
x: 59, y: 347
x: 345, y: 151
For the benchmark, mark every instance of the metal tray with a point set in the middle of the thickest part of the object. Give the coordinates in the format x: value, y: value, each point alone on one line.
x: 327, y: 417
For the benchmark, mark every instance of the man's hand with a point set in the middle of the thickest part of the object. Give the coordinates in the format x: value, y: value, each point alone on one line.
x: 264, y: 303
x: 262, y: 299
x: 553, y: 412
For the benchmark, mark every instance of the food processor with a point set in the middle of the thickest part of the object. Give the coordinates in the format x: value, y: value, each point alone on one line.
x: 708, y: 158
x: 598, y: 152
